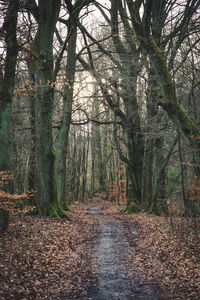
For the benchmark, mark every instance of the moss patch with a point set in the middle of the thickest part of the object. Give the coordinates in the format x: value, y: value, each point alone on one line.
x: 57, y: 212
x: 131, y: 208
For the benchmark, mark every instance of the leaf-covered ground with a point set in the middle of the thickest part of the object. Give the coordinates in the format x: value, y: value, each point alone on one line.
x: 52, y: 259
x: 47, y: 259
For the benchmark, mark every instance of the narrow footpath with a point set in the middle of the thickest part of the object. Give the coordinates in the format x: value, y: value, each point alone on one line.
x: 116, y: 279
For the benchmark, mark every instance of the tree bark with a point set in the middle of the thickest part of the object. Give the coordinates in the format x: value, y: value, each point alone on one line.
x: 66, y: 115
x: 7, y: 81
x: 42, y: 49
x: 158, y: 182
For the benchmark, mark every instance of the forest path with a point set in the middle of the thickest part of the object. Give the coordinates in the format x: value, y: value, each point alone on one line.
x: 116, y: 278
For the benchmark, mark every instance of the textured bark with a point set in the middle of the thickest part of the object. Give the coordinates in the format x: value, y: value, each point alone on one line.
x: 158, y: 181
x: 42, y: 48
x: 147, y: 174
x: 134, y: 168
x: 7, y: 80
x: 100, y: 174
x: 159, y: 158
x: 105, y: 143
x: 61, y: 147
x: 32, y: 171
x: 133, y: 138
x: 5, y: 109
x: 152, y: 157
x: 182, y: 167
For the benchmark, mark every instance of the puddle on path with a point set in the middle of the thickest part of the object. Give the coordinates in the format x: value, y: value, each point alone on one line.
x: 117, y: 280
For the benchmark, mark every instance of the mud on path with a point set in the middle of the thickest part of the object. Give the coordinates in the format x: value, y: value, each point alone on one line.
x: 116, y: 277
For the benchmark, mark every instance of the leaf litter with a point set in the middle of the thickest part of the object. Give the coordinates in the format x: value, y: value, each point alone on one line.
x: 52, y: 259
x: 45, y: 258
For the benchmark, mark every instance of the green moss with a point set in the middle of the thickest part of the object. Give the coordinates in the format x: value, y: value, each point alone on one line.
x: 54, y: 211
x: 53, y: 151
x: 131, y: 208
x: 64, y: 206
x: 189, y: 125
x: 57, y: 212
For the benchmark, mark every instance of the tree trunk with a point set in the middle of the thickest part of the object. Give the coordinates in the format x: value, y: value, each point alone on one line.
x: 61, y: 147
x: 84, y: 166
x: 7, y: 81
x: 133, y: 139
x: 134, y: 169
x: 98, y: 149
x: 93, y: 157
x: 152, y: 111
x: 158, y: 161
x: 158, y: 181
x: 42, y: 49
x: 5, y: 109
x: 147, y: 175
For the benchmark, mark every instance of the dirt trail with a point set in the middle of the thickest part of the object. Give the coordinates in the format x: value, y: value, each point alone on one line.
x: 116, y: 279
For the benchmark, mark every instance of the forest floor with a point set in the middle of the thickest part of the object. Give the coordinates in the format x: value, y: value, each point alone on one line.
x: 101, y: 254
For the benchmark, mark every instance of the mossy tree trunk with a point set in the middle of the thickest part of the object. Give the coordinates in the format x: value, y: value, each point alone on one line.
x: 134, y: 168
x: 7, y: 80
x: 154, y: 144
x: 149, y: 153
x: 4, y: 135
x: 133, y: 137
x: 42, y: 49
x: 158, y: 182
